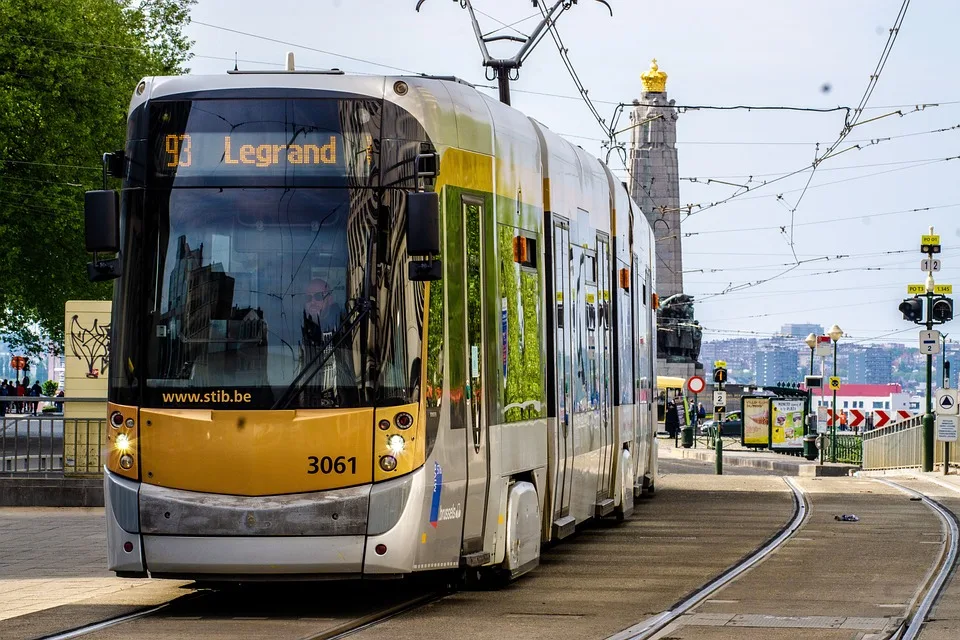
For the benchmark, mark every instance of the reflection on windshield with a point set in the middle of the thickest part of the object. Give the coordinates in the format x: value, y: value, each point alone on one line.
x: 250, y: 284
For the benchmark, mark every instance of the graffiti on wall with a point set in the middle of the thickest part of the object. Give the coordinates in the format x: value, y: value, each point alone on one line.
x: 92, y: 345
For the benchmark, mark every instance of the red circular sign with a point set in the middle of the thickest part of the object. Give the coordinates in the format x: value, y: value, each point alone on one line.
x: 696, y: 384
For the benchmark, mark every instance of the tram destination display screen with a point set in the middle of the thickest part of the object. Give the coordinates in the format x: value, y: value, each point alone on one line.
x: 207, y: 142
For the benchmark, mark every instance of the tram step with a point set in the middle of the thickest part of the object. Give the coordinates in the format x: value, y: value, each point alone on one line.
x: 604, y: 508
x: 477, y: 559
x: 563, y: 527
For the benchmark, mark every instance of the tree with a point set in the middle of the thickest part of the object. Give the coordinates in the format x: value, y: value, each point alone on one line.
x: 67, y: 71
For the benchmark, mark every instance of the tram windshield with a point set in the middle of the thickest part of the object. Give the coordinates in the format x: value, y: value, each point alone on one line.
x: 253, y: 285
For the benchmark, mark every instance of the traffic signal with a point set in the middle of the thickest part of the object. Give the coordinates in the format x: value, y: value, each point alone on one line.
x: 912, y: 309
x: 942, y: 310
x: 930, y: 248
x: 720, y: 375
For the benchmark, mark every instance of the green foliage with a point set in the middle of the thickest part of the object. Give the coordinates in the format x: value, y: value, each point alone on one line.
x: 67, y: 71
x: 50, y: 387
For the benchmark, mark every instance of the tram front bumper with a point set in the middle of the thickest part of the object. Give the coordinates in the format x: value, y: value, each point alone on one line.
x: 371, y: 529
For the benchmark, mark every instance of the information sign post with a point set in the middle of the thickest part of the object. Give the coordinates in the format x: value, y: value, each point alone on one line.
x: 719, y: 408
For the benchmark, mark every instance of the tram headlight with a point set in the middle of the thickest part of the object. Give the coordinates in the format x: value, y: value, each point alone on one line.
x: 388, y: 463
x: 126, y: 461
x: 403, y: 420
x: 123, y: 443
x: 130, y: 423
x: 116, y: 419
x: 396, y: 443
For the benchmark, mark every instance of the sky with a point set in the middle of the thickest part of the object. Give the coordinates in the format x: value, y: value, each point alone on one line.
x: 856, y: 230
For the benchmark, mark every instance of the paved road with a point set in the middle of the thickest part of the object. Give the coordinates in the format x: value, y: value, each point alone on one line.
x: 605, y: 578
x: 671, y: 466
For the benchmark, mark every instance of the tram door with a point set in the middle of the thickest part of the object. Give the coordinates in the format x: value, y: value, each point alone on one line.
x: 563, y: 475
x: 477, y: 463
x: 604, y: 370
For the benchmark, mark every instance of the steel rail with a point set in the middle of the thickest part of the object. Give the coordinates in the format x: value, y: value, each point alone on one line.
x: 651, y: 626
x: 372, y: 619
x: 342, y: 630
x: 942, y: 571
x: 99, y: 626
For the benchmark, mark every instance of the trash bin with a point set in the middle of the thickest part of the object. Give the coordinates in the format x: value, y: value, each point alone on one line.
x: 686, y: 435
x: 810, y: 446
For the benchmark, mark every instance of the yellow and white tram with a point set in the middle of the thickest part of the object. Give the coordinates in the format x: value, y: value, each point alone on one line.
x: 365, y: 326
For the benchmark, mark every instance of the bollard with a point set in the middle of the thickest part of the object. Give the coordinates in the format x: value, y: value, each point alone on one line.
x: 719, y: 439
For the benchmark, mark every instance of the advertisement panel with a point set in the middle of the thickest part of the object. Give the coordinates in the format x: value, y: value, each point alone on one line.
x: 756, y: 422
x: 786, y: 430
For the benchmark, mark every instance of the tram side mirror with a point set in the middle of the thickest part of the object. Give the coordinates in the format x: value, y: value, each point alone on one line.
x: 423, y: 223
x: 101, y: 221
x: 102, y: 233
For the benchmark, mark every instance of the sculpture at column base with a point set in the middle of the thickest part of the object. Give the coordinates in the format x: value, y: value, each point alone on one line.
x: 678, y: 334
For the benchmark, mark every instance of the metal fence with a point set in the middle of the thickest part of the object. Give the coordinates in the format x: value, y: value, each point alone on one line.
x: 36, y: 440
x: 849, y: 449
x: 898, y: 446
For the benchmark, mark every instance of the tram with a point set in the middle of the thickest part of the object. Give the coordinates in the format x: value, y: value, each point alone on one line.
x: 364, y: 326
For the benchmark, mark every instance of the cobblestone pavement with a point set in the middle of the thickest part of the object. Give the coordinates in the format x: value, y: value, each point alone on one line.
x: 55, y: 557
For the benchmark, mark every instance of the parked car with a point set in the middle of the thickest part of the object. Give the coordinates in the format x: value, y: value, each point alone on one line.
x: 732, y: 425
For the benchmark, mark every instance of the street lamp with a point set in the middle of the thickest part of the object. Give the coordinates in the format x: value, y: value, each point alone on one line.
x: 812, y: 343
x: 835, y: 334
x: 809, y: 450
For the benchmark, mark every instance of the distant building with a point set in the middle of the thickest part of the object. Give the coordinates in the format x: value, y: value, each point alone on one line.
x: 775, y: 365
x: 872, y: 365
x: 801, y: 330
x: 868, y: 397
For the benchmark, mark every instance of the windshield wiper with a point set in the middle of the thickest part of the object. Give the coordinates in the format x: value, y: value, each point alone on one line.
x: 355, y: 316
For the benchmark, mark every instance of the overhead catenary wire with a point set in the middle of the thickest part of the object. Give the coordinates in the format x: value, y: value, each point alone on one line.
x: 833, y: 220
x: 855, y: 120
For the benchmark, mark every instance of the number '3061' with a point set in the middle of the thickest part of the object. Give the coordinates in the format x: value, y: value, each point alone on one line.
x: 328, y: 464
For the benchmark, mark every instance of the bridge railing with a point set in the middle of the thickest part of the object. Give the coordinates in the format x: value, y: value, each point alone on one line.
x: 897, y: 446
x: 36, y: 440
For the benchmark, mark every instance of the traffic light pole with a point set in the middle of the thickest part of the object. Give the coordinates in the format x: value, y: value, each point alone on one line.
x: 928, y: 441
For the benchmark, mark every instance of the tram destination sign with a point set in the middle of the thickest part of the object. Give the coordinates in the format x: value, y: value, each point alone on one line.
x: 270, y: 152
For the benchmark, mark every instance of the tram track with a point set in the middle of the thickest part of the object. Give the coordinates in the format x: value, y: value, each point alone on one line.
x: 179, y: 612
x: 652, y: 626
x: 929, y: 592
x: 938, y: 578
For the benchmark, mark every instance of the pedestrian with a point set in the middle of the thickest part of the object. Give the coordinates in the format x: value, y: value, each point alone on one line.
x: 4, y: 393
x: 59, y: 404
x: 702, y: 413
x: 671, y: 420
x: 35, y: 392
x: 21, y: 393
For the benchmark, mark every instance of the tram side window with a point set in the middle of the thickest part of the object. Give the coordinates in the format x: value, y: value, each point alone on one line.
x: 521, y: 320
x: 627, y: 343
x: 584, y: 319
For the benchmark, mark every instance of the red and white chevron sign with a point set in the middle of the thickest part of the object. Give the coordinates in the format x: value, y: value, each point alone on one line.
x: 856, y: 417
x: 882, y: 417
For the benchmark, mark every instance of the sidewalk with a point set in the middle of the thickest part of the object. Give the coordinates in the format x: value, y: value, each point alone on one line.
x: 55, y: 558
x: 766, y: 460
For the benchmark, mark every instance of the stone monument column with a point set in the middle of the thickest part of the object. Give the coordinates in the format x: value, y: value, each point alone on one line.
x: 655, y: 186
x: 655, y: 177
